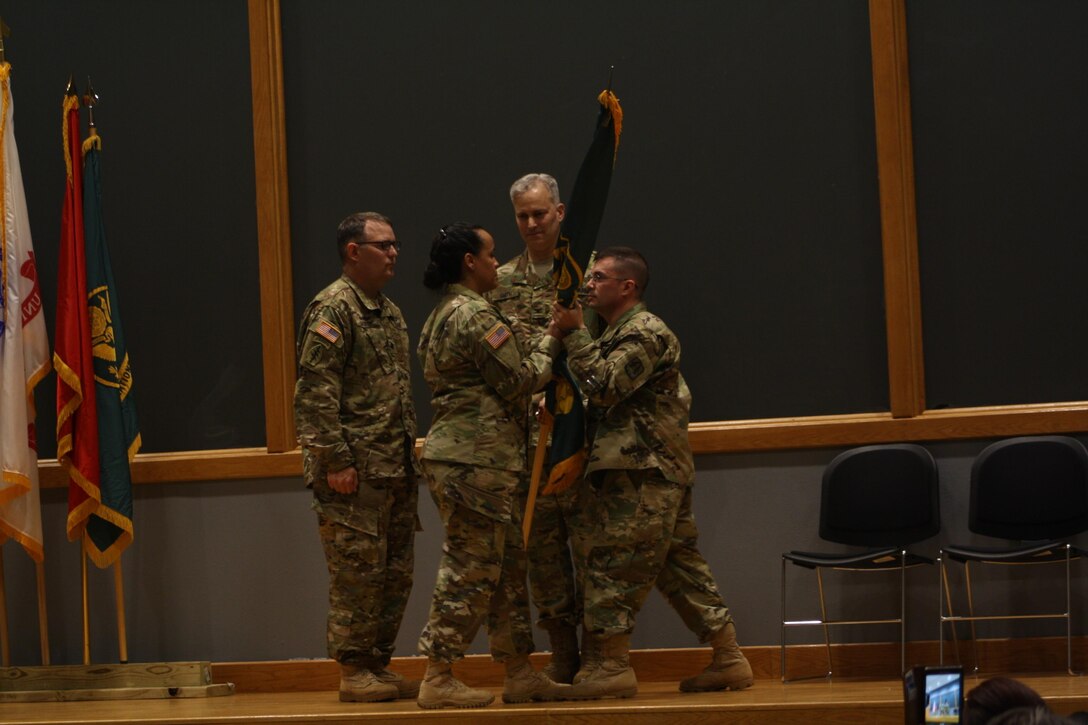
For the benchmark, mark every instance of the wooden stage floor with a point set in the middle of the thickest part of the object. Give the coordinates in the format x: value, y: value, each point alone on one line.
x: 769, y: 701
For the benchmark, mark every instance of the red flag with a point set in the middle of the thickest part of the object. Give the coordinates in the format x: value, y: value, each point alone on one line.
x: 77, y: 416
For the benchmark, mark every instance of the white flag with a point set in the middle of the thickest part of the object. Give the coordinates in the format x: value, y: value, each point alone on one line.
x: 24, y: 347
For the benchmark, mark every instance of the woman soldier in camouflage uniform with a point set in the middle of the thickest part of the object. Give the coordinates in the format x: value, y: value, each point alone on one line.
x: 474, y: 458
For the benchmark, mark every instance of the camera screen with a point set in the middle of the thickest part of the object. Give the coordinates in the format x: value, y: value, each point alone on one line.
x: 944, y: 693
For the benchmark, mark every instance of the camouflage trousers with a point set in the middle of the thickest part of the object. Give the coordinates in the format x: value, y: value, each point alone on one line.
x: 639, y: 531
x: 368, y: 539
x: 481, y: 574
x: 553, y: 583
x: 552, y: 580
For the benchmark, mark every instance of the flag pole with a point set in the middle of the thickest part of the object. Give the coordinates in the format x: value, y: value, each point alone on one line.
x: 90, y: 100
x: 43, y: 617
x: 119, y: 591
x: 5, y: 648
x: 4, y: 31
x: 547, y: 421
x: 86, y: 608
x: 43, y: 622
x: 577, y: 235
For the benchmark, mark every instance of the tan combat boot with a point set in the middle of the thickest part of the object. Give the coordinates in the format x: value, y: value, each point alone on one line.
x: 591, y: 656
x: 523, y: 683
x: 441, y: 689
x: 358, y: 684
x: 729, y: 670
x: 564, y: 662
x: 613, y: 677
x: 406, y: 689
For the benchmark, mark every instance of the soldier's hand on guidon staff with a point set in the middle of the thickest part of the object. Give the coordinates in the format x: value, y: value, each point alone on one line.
x: 568, y: 318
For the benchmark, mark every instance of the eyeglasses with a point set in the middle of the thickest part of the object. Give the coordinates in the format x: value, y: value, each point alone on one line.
x: 598, y: 277
x: 384, y: 245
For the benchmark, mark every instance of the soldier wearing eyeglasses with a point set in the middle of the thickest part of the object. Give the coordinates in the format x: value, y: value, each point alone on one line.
x: 357, y: 425
x: 638, y: 529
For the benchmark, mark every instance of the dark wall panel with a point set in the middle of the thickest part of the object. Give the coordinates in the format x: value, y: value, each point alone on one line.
x: 999, y: 94
x: 746, y: 171
x: 178, y: 198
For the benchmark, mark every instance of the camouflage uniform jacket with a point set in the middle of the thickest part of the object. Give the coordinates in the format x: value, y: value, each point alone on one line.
x: 353, y: 400
x: 480, y: 384
x: 525, y: 298
x: 639, y: 402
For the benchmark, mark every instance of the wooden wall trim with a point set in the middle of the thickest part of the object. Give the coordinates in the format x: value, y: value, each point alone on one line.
x: 273, y: 223
x: 866, y: 428
x: 737, y: 436
x: 898, y: 223
x: 175, y: 467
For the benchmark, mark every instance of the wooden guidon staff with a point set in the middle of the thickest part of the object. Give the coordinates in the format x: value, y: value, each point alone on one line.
x: 547, y: 421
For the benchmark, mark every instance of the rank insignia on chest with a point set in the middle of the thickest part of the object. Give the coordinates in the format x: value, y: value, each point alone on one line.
x: 497, y: 335
x: 328, y: 331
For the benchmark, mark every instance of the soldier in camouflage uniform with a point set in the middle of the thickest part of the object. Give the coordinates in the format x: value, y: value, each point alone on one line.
x: 525, y: 295
x: 639, y: 529
x: 357, y: 426
x: 475, y: 461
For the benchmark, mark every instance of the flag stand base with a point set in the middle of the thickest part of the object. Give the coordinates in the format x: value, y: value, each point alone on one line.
x: 137, y: 681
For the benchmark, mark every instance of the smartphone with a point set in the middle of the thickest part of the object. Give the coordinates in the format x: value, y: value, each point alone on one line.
x: 933, y: 694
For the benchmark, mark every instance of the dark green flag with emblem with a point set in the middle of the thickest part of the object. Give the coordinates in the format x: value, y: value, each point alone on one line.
x: 577, y: 238
x: 109, y: 527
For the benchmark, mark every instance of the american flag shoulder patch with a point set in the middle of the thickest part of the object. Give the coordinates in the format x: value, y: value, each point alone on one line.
x: 327, y: 330
x: 497, y: 335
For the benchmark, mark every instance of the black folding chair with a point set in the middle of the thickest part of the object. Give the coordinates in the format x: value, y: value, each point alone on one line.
x: 1033, y: 490
x: 882, y: 496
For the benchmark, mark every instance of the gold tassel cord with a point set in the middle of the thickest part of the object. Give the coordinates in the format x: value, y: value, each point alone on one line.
x: 94, y: 141
x: 70, y: 102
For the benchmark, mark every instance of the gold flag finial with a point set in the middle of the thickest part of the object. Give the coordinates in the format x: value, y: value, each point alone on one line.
x: 90, y: 100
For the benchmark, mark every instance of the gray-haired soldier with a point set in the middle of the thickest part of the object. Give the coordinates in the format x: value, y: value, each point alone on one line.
x: 357, y: 427
x: 639, y: 529
x: 525, y: 295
